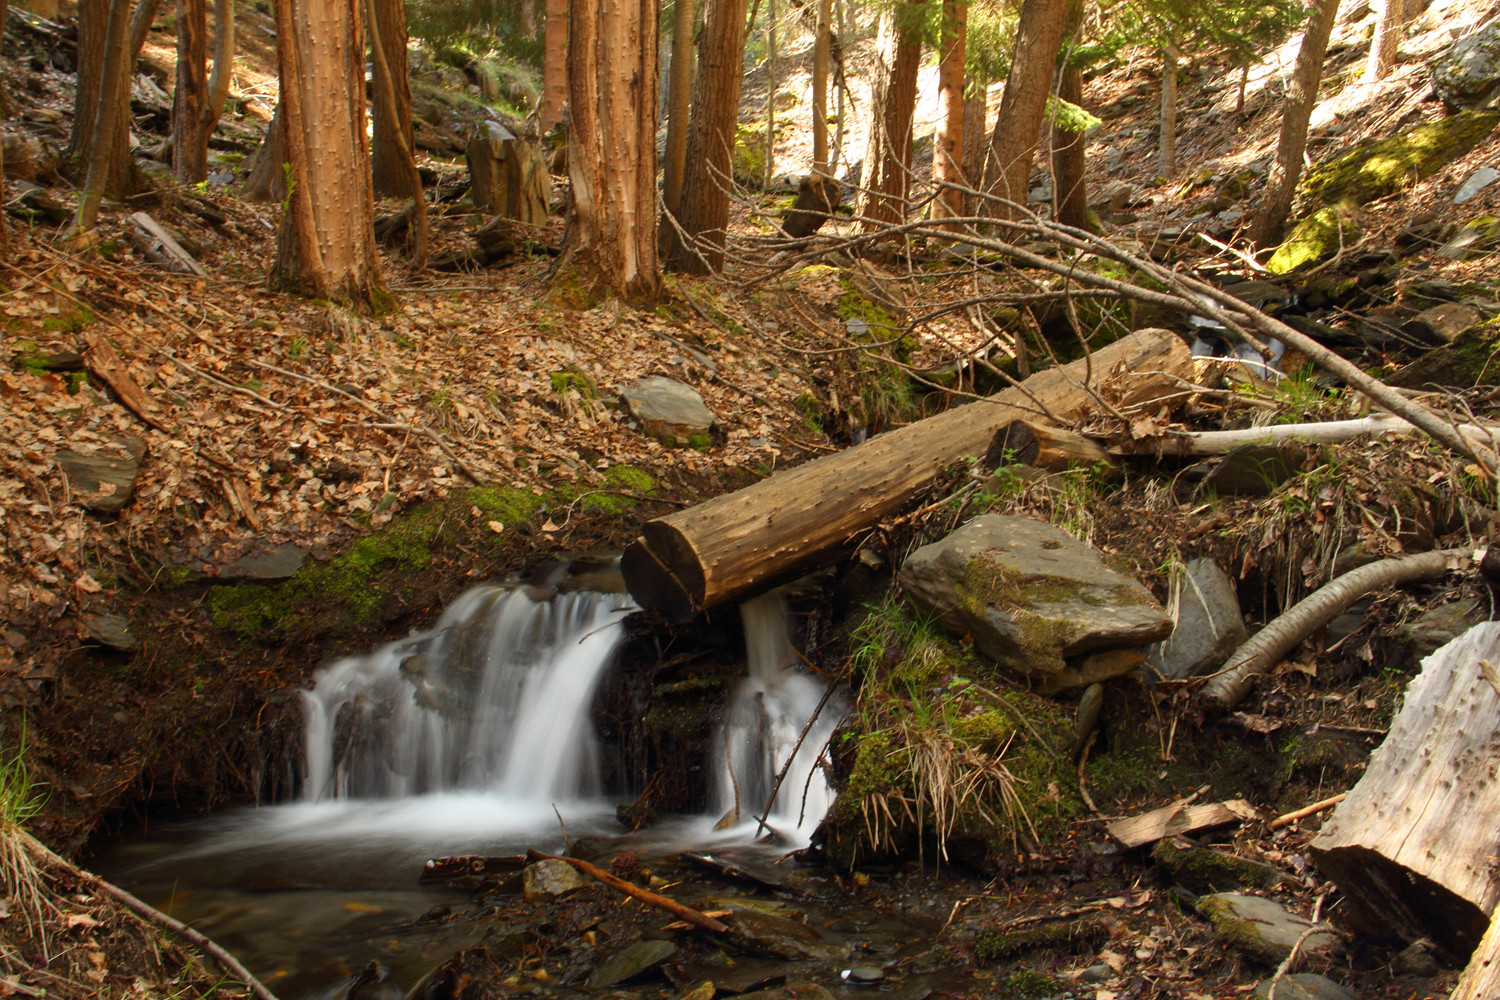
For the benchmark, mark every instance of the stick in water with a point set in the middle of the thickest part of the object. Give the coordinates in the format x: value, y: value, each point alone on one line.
x: 692, y: 916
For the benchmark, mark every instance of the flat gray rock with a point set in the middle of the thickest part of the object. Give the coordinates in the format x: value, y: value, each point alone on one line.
x: 1209, y: 625
x: 279, y: 562
x: 1263, y: 928
x: 1304, y: 986
x: 1467, y: 73
x: 1031, y: 594
x: 667, y: 410
x: 1442, y: 324
x: 103, y: 482
x: 1475, y: 183
x: 631, y: 962
x: 112, y: 631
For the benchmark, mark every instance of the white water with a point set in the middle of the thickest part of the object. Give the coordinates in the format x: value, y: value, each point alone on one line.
x: 770, y: 707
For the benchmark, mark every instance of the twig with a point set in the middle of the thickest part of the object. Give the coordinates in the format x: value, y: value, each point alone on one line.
x: 1083, y: 762
x: 692, y: 916
x: 760, y: 822
x: 1287, y: 819
x: 1291, y: 957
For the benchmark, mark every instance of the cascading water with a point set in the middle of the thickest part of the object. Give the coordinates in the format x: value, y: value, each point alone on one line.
x: 770, y: 707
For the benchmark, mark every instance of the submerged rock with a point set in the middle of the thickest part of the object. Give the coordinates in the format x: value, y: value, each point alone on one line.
x: 1030, y: 594
x: 669, y: 411
x: 1263, y: 928
x: 631, y: 962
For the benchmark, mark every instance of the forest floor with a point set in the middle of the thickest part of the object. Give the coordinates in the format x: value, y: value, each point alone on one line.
x: 284, y: 429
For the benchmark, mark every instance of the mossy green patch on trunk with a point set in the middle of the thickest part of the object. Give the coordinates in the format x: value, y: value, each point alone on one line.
x: 1316, y: 238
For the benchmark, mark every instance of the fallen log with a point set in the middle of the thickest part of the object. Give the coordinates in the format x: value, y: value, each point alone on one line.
x: 803, y: 517
x: 1031, y: 442
x: 1413, y: 846
x: 160, y: 247
x: 1319, y: 432
x: 1481, y: 978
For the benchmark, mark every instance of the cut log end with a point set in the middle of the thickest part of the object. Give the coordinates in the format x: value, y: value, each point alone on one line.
x: 653, y: 586
x: 1391, y: 902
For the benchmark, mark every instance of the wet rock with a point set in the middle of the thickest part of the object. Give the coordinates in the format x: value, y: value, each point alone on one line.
x: 1204, y: 870
x: 549, y: 879
x: 741, y: 976
x: 1253, y: 470
x: 1095, y: 974
x: 768, y: 934
x: 1089, y: 707
x: 1209, y: 625
x: 1436, y: 627
x: 279, y: 562
x: 1475, y: 183
x: 1467, y: 74
x: 669, y: 411
x: 631, y: 962
x: 1415, y: 960
x: 112, y: 631
x: 1263, y: 928
x: 1304, y: 986
x: 105, y: 483
x: 1443, y: 324
x: 1030, y: 594
x: 866, y: 975
x: 703, y: 991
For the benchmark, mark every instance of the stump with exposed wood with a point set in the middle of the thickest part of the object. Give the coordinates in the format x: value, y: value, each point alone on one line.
x: 1415, y: 843
x: 810, y: 515
x: 507, y: 175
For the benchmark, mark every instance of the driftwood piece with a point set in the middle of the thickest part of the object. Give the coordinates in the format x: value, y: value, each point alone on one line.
x: 1266, y: 648
x: 162, y: 248
x: 1414, y: 844
x: 1168, y: 821
x: 1031, y: 442
x: 104, y: 362
x: 805, y: 516
x: 696, y: 917
x: 1481, y: 978
x: 1319, y: 432
x: 507, y: 176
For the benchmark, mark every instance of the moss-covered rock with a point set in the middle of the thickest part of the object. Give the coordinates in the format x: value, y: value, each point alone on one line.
x: 1203, y: 870
x: 1072, y: 935
x: 1316, y: 238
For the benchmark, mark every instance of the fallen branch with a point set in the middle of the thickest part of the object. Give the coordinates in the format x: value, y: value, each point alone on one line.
x: 1287, y: 819
x: 692, y: 916
x: 1320, y: 432
x: 1267, y: 647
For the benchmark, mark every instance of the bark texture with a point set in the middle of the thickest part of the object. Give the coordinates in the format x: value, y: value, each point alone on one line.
x: 140, y: 27
x: 679, y: 96
x: 1481, y: 978
x: 190, y: 106
x: 1387, y: 39
x: 266, y: 180
x: 948, y: 142
x: 326, y: 245
x: 1296, y: 112
x: 1069, y: 164
x: 612, y: 143
x: 111, y: 133
x: 554, y: 65
x: 1023, y: 107
x: 93, y: 24
x: 893, y: 99
x: 822, y: 44
x: 704, y: 205
x: 391, y: 148
x: 387, y: 105
x: 976, y: 111
x: 4, y: 228
x: 1166, y: 160
x: 223, y: 71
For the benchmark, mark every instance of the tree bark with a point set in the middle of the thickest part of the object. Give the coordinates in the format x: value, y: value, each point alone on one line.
x: 1052, y: 449
x: 704, y: 203
x: 976, y: 111
x: 679, y: 94
x: 391, y: 150
x: 804, y: 517
x: 1296, y: 112
x: 1412, y: 846
x: 326, y: 244
x: 190, y: 95
x: 113, y: 98
x: 1023, y: 107
x: 388, y: 85
x: 140, y: 27
x: 223, y: 71
x: 1166, y: 160
x: 4, y: 228
x: 1481, y: 977
x: 266, y: 180
x: 554, y: 65
x: 770, y: 164
x: 1387, y: 39
x: 1069, y: 162
x: 93, y: 26
x: 948, y: 142
x: 612, y: 143
x: 822, y: 43
x: 893, y: 98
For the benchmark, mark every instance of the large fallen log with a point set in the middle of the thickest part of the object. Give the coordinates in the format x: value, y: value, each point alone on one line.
x: 1413, y: 847
x: 1481, y: 978
x: 693, y: 559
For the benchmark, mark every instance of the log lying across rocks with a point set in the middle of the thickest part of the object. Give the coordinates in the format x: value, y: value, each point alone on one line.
x: 1413, y: 847
x: 695, y: 558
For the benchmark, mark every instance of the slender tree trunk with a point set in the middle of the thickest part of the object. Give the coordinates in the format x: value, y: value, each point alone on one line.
x: 112, y: 96
x: 893, y: 97
x: 1388, y: 29
x: 770, y: 165
x: 612, y: 143
x: 266, y: 180
x: 1023, y: 107
x: 387, y: 104
x: 391, y: 150
x: 976, y: 111
x: 190, y: 96
x: 93, y: 26
x: 1296, y: 112
x: 554, y: 65
x: 679, y: 94
x: 704, y: 205
x: 948, y: 143
x: 821, y: 45
x: 326, y: 245
x: 1239, y: 97
x: 140, y: 27
x: 1069, y: 164
x: 223, y: 71
x: 843, y: 84
x: 5, y: 105
x: 528, y: 19
x: 1166, y: 161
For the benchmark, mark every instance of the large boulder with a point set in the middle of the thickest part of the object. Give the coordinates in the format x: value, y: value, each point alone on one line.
x: 669, y: 411
x: 1466, y: 74
x: 1033, y: 596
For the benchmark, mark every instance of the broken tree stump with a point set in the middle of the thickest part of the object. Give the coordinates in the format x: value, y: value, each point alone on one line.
x: 818, y: 197
x: 803, y: 517
x: 1481, y: 978
x: 1031, y: 442
x: 161, y: 247
x: 507, y: 176
x: 1413, y: 847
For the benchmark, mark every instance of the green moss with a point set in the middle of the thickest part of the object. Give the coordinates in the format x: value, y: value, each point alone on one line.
x: 572, y: 289
x: 572, y: 378
x: 749, y: 166
x: 1028, y: 984
x: 1386, y: 166
x: 72, y: 321
x: 700, y: 442
x: 990, y: 946
x: 1203, y: 870
x: 1315, y: 238
x: 627, y: 478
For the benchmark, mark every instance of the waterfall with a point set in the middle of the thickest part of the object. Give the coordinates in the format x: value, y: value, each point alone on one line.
x: 495, y: 698
x: 769, y: 709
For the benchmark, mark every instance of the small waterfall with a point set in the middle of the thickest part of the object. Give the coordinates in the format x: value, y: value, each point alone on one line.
x: 770, y: 707
x: 495, y: 698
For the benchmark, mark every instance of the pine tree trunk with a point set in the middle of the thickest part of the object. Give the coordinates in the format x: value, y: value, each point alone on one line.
x: 612, y: 143
x: 948, y: 143
x: 704, y: 205
x: 1069, y: 164
x: 770, y: 164
x: 1387, y: 39
x: 554, y: 65
x: 1166, y: 161
x: 893, y: 98
x: 223, y: 71
x: 822, y: 42
x: 113, y: 98
x: 1296, y: 112
x: 391, y: 149
x: 93, y: 25
x: 190, y: 96
x: 976, y: 111
x: 842, y: 9
x: 266, y: 180
x: 140, y: 27
x: 679, y: 93
x: 387, y: 105
x: 43, y: 8
x: 1023, y: 107
x: 326, y: 244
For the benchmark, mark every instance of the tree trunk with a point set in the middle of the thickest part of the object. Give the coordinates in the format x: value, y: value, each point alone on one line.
x: 821, y: 45
x: 388, y: 85
x: 266, y: 180
x: 1023, y: 107
x: 528, y: 19
x: 842, y: 9
x: 107, y: 135
x: 948, y: 143
x: 804, y: 517
x: 612, y: 143
x: 326, y: 245
x: 4, y: 228
x: 1043, y: 446
x: 93, y: 25
x: 770, y: 165
x: 893, y: 98
x: 1296, y: 112
x: 391, y: 150
x: 554, y: 65
x: 140, y: 27
x: 223, y: 71
x: 1408, y: 846
x: 704, y: 204
x: 43, y: 8
x: 1069, y: 164
x: 190, y: 96
x: 1481, y: 978
x: 1166, y: 161
x: 679, y: 93
x: 976, y: 100
x: 1386, y: 40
